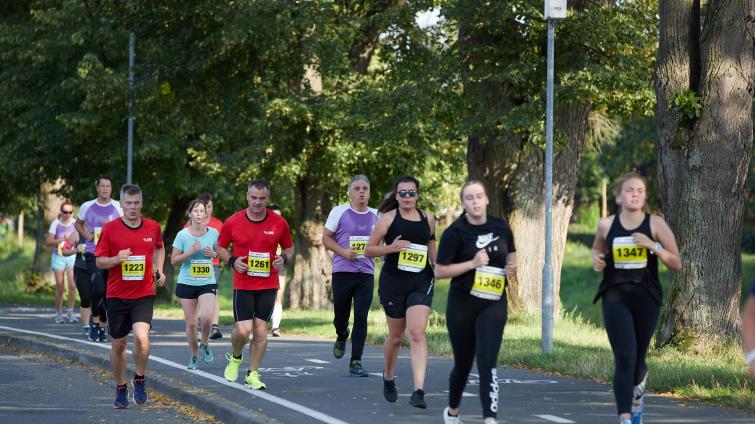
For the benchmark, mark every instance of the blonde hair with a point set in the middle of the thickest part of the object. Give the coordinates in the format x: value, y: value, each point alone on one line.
x: 630, y: 176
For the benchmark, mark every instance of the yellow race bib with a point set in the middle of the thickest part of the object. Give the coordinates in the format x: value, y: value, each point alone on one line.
x: 200, y: 269
x: 97, y: 232
x: 358, y: 244
x: 489, y: 282
x: 258, y: 264
x: 628, y: 255
x: 132, y: 269
x: 413, y: 258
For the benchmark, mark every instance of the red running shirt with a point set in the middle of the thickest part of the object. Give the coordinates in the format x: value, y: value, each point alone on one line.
x: 255, y: 239
x: 137, y: 281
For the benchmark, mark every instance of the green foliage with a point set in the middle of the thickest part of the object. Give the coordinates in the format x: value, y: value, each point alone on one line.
x: 686, y: 105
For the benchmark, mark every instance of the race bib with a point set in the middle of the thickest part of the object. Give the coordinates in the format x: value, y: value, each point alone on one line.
x: 200, y: 269
x: 132, y: 269
x: 97, y: 232
x: 358, y: 244
x: 413, y: 259
x: 489, y: 282
x: 258, y: 264
x: 628, y: 255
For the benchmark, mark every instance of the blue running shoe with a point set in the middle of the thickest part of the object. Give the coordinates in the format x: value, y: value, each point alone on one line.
x: 85, y: 330
x: 192, y: 363
x: 121, y: 398
x: 102, y: 337
x: 207, y: 356
x: 140, y: 391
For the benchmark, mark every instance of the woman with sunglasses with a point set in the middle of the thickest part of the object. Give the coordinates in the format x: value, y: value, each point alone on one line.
x: 63, y: 233
x: 406, y: 281
x: 477, y: 252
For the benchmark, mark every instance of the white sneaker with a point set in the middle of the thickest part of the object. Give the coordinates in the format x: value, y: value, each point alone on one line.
x: 72, y: 317
x: 59, y: 318
x: 447, y: 419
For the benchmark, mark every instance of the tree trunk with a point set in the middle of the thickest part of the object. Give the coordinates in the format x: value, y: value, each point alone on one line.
x: 176, y: 220
x: 37, y: 266
x: 310, y: 286
x: 514, y: 175
x: 702, y: 161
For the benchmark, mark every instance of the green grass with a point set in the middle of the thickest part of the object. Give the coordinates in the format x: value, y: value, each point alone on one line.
x: 713, y: 374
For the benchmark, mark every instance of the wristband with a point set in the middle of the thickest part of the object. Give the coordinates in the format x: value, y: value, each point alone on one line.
x: 231, y: 261
x: 285, y: 258
x: 750, y: 357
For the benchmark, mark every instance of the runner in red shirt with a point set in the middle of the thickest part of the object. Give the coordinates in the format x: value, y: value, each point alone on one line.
x: 255, y: 233
x: 131, y: 248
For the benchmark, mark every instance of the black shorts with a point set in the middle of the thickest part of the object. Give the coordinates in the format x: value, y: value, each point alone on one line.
x: 250, y: 304
x: 123, y: 313
x: 185, y: 291
x: 398, y: 293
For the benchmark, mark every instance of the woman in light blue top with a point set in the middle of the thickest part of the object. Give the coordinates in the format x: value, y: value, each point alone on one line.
x: 194, y: 249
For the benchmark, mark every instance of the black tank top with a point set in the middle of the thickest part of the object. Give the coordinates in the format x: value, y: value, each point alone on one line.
x: 627, y: 263
x: 417, y: 232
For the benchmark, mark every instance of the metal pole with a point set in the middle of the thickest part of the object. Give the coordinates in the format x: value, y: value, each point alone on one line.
x: 546, y: 342
x: 130, y: 154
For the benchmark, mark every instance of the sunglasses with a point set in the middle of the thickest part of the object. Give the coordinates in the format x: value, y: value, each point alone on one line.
x: 67, y: 212
x: 407, y: 193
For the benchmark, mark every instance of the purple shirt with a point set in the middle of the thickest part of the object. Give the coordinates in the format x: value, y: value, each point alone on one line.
x: 352, y: 229
x: 61, y: 231
x: 95, y: 216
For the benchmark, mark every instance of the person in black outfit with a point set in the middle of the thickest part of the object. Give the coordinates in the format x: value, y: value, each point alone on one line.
x: 477, y: 252
x: 406, y: 281
x: 626, y: 249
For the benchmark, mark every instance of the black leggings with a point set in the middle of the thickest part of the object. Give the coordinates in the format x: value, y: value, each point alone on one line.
x: 475, y: 326
x: 98, y: 277
x: 359, y: 286
x: 630, y: 314
x: 84, y: 286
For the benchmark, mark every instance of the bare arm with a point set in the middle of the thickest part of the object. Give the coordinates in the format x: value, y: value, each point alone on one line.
x: 178, y: 257
x: 669, y: 253
x: 331, y: 244
x: 279, y: 263
x: 432, y: 246
x: 748, y: 330
x: 599, y: 245
x: 51, y: 240
x: 159, y: 261
x: 81, y: 228
x: 107, y: 262
x: 374, y: 248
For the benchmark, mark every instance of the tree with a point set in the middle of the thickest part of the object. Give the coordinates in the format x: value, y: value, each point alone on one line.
x: 704, y: 85
x: 501, y: 55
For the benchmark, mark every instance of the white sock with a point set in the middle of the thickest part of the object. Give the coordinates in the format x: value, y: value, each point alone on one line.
x: 277, y: 315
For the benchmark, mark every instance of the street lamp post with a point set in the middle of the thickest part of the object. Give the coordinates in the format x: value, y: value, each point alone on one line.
x: 554, y: 9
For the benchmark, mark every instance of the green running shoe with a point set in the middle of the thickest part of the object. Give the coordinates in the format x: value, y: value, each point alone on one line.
x: 232, y: 369
x: 192, y: 363
x: 253, y: 381
x: 339, y: 348
x: 357, y: 370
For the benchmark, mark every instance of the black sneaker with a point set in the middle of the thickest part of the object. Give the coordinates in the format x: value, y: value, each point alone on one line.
x: 339, y: 348
x: 418, y: 399
x: 389, y: 390
x: 102, y: 337
x: 94, y: 333
x: 215, y: 333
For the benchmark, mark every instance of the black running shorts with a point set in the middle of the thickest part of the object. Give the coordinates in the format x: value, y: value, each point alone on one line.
x: 186, y: 291
x: 249, y: 304
x: 123, y: 313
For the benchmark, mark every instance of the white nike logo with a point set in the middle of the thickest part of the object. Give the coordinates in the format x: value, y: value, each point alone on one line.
x: 484, y: 240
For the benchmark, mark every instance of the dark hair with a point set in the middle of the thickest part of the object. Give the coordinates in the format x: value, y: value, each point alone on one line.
x: 66, y: 202
x: 469, y: 183
x: 390, y: 203
x: 259, y: 185
x: 274, y: 207
x: 194, y: 204
x: 205, y: 197
x: 131, y: 190
x: 103, y: 177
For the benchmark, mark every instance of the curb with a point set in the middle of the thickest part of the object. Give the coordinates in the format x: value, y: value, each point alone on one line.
x: 223, y: 410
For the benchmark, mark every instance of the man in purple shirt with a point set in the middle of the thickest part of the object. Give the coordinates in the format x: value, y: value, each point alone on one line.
x: 93, y: 215
x: 346, y: 233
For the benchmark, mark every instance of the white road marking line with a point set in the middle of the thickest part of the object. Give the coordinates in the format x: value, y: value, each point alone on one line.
x: 258, y: 393
x: 377, y: 374
x: 317, y: 361
x: 555, y: 419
